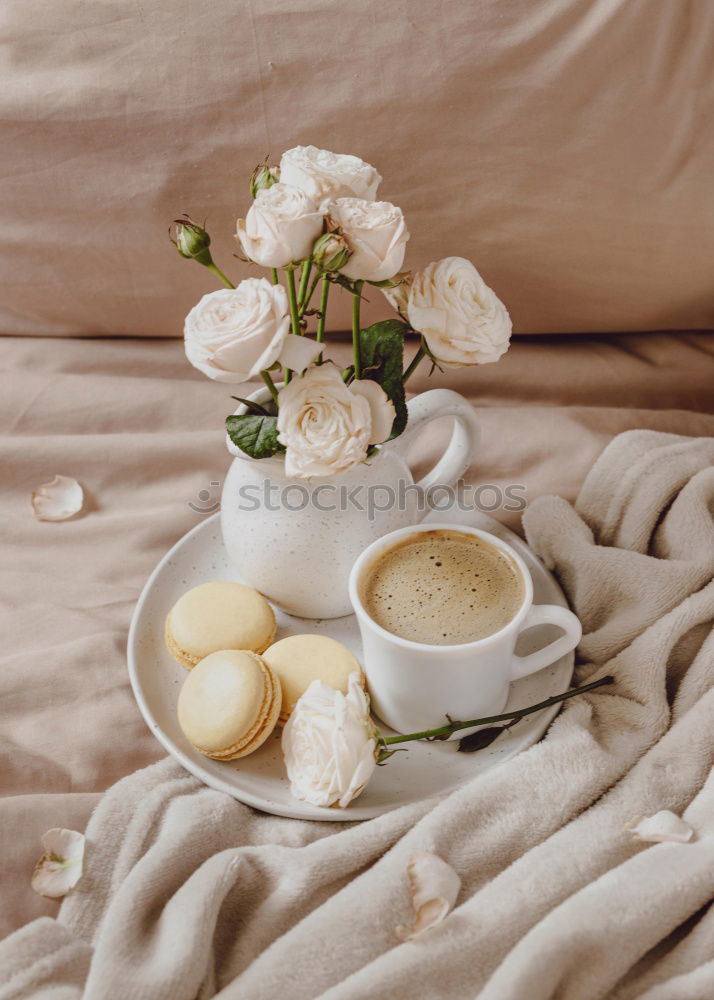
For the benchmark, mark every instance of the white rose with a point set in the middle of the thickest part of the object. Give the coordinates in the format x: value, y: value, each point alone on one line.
x: 324, y: 176
x: 377, y: 235
x: 233, y: 334
x: 462, y: 320
x: 327, y: 426
x: 281, y: 226
x: 329, y: 744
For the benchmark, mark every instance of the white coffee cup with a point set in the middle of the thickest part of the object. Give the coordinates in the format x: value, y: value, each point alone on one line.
x: 415, y: 685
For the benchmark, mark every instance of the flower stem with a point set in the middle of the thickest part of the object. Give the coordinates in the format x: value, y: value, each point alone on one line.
x: 304, y: 278
x: 310, y: 292
x: 294, y: 314
x: 274, y: 275
x: 320, y: 335
x: 421, y: 353
x: 454, y: 727
x: 356, y: 300
x: 292, y: 299
x: 217, y: 271
x: 271, y: 386
x: 323, y: 309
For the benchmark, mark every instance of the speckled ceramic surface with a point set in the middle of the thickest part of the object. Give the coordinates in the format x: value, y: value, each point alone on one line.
x: 424, y: 771
x: 321, y: 524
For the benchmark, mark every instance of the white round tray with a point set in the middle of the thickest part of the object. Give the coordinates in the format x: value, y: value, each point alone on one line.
x: 427, y: 769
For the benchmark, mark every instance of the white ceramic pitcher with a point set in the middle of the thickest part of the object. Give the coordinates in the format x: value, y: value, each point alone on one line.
x: 295, y: 540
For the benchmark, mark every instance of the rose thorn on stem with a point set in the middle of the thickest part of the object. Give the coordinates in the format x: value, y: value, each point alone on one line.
x: 413, y: 364
x: 303, y: 309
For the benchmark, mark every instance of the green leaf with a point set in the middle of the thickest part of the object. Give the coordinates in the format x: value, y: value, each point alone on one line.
x: 251, y: 406
x: 481, y: 739
x: 382, y: 353
x: 254, y: 434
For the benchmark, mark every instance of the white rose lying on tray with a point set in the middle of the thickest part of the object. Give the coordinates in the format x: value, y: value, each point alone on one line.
x: 330, y: 744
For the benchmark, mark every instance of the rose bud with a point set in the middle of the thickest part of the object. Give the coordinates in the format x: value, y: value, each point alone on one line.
x: 191, y: 240
x: 331, y: 252
x: 262, y: 177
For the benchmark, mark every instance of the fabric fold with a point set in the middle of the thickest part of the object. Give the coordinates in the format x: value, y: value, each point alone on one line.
x: 188, y: 893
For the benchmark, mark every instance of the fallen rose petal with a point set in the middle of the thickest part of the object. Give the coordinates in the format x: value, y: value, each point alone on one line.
x: 434, y: 886
x: 60, y: 867
x: 57, y: 500
x: 663, y: 826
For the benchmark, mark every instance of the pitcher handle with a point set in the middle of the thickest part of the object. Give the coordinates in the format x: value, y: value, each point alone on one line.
x: 427, y: 406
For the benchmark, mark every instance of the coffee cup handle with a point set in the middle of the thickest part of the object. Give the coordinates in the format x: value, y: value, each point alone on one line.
x: 547, y: 614
x: 428, y: 406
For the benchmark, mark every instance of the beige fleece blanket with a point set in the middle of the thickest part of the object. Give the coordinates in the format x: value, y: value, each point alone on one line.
x: 188, y: 893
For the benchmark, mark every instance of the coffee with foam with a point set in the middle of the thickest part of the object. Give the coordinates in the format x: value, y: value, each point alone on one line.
x: 443, y: 588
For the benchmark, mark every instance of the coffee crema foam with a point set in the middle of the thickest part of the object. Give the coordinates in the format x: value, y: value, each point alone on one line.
x: 442, y: 588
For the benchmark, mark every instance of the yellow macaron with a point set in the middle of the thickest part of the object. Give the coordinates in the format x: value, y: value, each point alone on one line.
x: 229, y: 704
x: 298, y: 660
x: 215, y: 616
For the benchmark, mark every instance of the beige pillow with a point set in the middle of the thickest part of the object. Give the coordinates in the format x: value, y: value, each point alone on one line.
x: 564, y: 147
